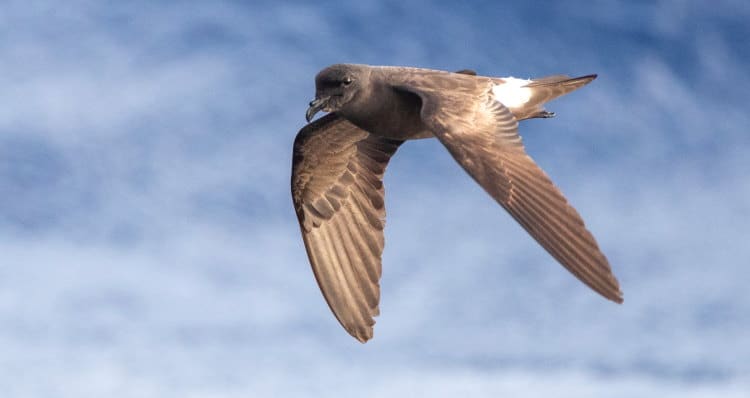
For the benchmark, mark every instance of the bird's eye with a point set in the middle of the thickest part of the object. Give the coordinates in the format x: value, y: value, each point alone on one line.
x: 347, y: 81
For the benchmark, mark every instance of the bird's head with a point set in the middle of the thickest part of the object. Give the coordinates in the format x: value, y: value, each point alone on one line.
x: 336, y: 86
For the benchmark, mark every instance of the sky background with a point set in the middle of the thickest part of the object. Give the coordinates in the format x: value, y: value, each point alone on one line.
x: 149, y: 248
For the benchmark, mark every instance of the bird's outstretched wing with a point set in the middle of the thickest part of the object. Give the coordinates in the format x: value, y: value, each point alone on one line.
x: 482, y: 135
x: 337, y: 189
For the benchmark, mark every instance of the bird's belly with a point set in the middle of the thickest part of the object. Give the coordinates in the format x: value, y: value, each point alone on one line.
x: 420, y: 135
x: 396, y: 127
x: 403, y: 136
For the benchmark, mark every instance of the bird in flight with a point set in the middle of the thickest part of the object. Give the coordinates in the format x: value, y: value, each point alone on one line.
x: 339, y: 161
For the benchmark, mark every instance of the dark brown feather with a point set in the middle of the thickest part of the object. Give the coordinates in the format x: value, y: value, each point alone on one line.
x: 338, y: 196
x: 338, y: 167
x: 482, y: 135
x: 546, y: 89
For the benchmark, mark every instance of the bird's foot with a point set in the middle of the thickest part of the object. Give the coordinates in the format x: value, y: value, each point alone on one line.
x: 545, y: 114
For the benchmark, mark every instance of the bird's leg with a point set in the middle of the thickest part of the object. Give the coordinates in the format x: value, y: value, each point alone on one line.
x: 544, y: 115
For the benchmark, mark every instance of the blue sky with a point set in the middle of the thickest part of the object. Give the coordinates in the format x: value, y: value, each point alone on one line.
x: 148, y: 245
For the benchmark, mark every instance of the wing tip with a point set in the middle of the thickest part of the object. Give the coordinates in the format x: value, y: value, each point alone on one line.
x: 362, y: 332
x: 581, y: 80
x: 615, y: 295
x: 362, y: 335
x: 591, y: 76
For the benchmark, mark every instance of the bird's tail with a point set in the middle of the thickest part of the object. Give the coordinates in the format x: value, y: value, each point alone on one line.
x: 546, y: 89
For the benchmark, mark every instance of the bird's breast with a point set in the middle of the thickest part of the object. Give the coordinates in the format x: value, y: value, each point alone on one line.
x: 391, y: 114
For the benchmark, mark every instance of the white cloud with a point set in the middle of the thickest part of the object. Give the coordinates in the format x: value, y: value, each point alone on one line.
x: 165, y: 258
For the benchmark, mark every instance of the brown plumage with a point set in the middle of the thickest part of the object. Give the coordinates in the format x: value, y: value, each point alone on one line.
x: 339, y: 161
x: 339, y: 199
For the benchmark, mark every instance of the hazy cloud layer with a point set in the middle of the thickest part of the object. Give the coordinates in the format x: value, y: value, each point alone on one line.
x: 148, y: 245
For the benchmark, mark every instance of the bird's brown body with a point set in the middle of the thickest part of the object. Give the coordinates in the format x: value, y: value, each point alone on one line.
x: 339, y: 161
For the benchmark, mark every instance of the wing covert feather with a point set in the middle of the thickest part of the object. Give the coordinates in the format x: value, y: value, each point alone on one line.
x: 482, y: 136
x: 338, y: 196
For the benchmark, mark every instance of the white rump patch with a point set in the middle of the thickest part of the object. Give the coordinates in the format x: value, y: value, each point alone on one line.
x: 512, y: 93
